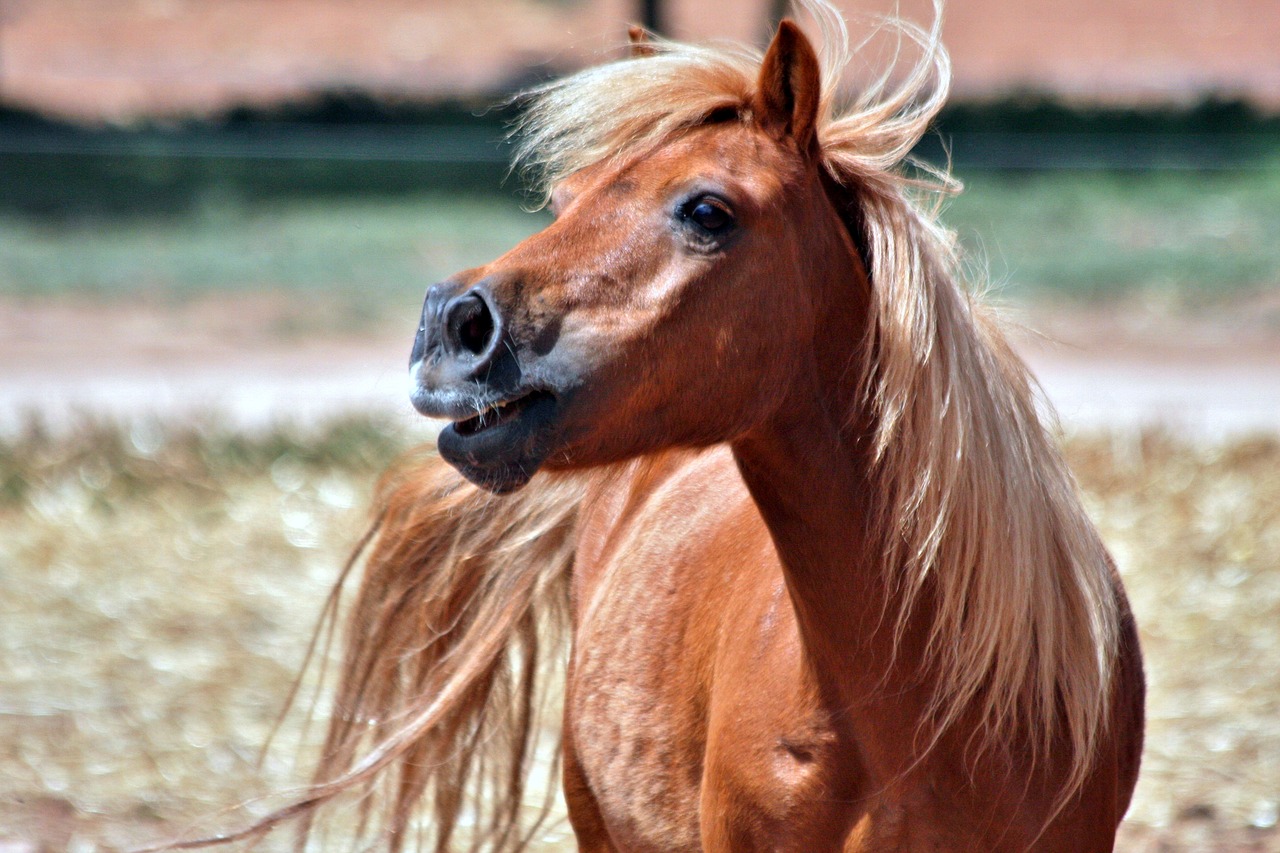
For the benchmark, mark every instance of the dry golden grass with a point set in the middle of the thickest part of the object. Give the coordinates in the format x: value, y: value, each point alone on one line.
x: 158, y: 589
x: 1196, y: 532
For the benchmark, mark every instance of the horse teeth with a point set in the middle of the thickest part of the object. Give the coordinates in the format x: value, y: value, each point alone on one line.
x: 495, y: 409
x: 489, y: 412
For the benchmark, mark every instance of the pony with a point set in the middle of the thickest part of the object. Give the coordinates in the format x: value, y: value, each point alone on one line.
x: 734, y: 426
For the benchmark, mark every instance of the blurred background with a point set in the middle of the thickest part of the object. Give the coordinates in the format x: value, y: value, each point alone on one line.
x: 217, y: 220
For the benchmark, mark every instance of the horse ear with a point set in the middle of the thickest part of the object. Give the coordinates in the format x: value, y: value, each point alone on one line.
x: 790, y: 86
x: 640, y: 42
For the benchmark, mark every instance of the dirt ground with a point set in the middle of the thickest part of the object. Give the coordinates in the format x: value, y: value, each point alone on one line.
x: 117, y: 59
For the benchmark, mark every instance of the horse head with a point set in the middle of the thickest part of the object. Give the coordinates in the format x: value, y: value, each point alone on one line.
x: 671, y: 302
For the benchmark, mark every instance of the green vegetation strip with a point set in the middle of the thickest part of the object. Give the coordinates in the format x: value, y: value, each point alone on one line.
x: 369, y: 251
x: 1182, y: 236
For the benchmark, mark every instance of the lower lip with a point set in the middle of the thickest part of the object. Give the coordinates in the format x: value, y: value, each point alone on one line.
x: 503, y: 456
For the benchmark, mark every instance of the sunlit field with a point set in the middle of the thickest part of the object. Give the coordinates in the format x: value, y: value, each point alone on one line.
x: 159, y: 586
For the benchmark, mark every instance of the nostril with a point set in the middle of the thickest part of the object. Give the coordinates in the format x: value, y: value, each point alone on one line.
x: 470, y: 324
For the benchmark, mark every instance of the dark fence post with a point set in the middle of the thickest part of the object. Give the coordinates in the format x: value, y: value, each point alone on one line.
x: 651, y: 17
x: 2, y: 25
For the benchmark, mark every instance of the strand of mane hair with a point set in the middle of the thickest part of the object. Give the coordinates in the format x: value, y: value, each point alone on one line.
x: 451, y: 642
x: 978, y: 503
x: 461, y: 590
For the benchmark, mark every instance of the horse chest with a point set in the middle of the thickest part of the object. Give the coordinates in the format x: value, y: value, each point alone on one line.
x: 688, y: 713
x: 632, y: 718
x: 674, y: 762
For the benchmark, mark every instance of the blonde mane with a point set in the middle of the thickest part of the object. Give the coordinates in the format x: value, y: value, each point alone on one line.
x: 981, y: 507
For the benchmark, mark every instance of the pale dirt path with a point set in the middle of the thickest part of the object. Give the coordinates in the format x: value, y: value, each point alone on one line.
x: 237, y: 359
x: 230, y: 359
x: 1214, y: 375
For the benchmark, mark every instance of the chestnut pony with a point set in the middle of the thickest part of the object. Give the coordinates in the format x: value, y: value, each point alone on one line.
x: 733, y: 419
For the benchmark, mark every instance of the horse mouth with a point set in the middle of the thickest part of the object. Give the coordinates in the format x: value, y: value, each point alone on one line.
x: 500, y: 447
x: 498, y: 414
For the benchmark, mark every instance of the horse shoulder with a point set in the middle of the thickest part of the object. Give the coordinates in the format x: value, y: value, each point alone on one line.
x: 667, y: 547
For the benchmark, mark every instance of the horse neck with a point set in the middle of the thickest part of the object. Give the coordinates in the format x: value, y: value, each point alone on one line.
x: 810, y: 470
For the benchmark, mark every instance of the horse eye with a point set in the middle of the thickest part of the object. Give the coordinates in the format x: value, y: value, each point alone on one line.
x: 708, y: 214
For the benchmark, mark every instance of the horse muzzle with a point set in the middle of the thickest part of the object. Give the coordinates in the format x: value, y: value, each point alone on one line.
x: 464, y: 369
x: 458, y: 338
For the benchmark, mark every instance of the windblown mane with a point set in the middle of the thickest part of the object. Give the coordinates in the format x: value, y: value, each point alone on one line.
x: 980, y: 506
